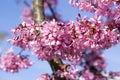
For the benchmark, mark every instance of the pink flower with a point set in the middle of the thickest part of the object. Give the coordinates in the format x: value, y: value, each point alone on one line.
x: 13, y: 63
x: 70, y: 74
x: 88, y: 75
x: 44, y: 77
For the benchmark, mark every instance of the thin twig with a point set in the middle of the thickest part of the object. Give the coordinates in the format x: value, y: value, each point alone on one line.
x: 52, y: 11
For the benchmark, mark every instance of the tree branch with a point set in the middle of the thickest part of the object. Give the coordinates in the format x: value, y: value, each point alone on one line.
x: 38, y: 11
x: 52, y: 11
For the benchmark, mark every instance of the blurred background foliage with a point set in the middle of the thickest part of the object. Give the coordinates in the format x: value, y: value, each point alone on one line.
x: 3, y: 36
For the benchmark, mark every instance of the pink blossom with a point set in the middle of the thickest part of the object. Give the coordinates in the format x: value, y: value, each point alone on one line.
x: 88, y: 75
x: 99, y: 7
x: 70, y: 74
x: 13, y: 63
x: 27, y: 15
x: 44, y: 77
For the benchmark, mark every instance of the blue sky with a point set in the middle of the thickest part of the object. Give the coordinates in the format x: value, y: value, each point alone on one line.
x: 10, y: 13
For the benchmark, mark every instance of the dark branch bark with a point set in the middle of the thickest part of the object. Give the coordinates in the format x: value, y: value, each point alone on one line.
x: 57, y: 63
x: 52, y: 11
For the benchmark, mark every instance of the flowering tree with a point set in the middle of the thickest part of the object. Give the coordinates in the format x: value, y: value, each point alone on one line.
x: 79, y: 43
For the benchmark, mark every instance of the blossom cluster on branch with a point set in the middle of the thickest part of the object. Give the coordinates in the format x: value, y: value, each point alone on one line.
x: 13, y: 63
x: 78, y: 42
x: 66, y: 41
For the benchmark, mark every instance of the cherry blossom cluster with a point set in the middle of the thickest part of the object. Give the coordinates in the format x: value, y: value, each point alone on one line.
x: 108, y: 8
x: 97, y: 60
x: 68, y: 74
x: 48, y: 41
x: 100, y: 7
x: 79, y: 42
x: 13, y: 63
x: 66, y: 41
x: 44, y: 77
x: 69, y: 41
x: 93, y: 67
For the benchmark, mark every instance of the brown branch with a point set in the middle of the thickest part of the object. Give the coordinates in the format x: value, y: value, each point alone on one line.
x: 38, y: 11
x: 57, y: 63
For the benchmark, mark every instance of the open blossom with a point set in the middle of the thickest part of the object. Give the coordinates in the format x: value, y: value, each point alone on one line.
x: 88, y: 75
x: 70, y: 74
x: 44, y: 77
x: 13, y: 63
